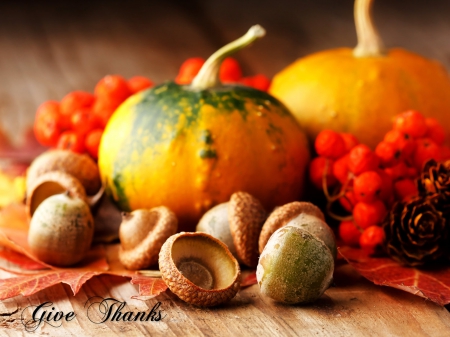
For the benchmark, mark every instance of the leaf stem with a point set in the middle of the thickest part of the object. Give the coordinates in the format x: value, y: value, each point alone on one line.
x: 369, y: 40
x: 208, y: 76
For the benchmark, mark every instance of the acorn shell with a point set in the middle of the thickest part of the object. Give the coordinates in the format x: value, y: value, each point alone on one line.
x: 282, y: 215
x: 142, y: 234
x: 51, y: 183
x: 81, y: 166
x: 199, y: 269
x: 246, y: 217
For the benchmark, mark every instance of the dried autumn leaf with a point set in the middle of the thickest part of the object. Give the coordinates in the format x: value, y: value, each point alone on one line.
x: 94, y: 264
x: 248, y: 278
x: 433, y: 285
x: 20, y: 260
x: 149, y: 287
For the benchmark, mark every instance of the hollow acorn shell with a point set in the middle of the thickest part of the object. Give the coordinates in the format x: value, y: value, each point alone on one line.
x: 51, y: 183
x: 215, y: 255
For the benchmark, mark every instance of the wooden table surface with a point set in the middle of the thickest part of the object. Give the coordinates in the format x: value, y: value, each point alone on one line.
x: 49, y: 48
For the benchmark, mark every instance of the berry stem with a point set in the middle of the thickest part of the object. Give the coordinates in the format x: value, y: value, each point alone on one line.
x: 369, y: 40
x: 208, y: 76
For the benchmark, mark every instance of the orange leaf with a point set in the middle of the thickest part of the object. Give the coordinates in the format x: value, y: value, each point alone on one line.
x: 432, y: 284
x: 149, y: 287
x: 248, y: 279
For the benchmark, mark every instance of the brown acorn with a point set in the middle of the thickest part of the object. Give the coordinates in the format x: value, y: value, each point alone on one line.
x: 142, y: 234
x: 237, y: 223
x: 199, y: 269
x: 81, y: 166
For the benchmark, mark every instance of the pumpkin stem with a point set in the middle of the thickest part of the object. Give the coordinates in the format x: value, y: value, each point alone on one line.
x: 208, y: 76
x: 369, y: 41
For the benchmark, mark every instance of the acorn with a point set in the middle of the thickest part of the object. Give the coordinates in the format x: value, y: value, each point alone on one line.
x: 238, y: 224
x: 56, y: 182
x: 309, y: 217
x: 199, y: 269
x: 142, y: 234
x: 295, y: 266
x: 61, y: 230
x: 80, y: 166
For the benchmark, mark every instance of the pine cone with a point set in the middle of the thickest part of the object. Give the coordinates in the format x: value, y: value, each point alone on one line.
x: 435, y: 178
x: 416, y: 232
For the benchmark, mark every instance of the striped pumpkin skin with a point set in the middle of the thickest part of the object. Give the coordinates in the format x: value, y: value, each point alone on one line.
x: 190, y: 150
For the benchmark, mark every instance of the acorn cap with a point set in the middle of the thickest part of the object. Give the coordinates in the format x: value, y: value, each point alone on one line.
x: 246, y: 218
x: 282, y: 215
x: 199, y: 269
x: 81, y: 166
x: 142, y: 234
x: 49, y: 184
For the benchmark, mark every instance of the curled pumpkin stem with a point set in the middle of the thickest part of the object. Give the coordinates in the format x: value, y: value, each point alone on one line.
x: 369, y: 40
x: 208, y: 76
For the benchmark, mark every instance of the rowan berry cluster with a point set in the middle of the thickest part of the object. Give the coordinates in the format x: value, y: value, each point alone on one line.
x: 76, y: 123
x: 367, y: 183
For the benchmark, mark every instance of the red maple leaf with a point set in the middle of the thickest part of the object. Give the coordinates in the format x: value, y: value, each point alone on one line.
x: 432, y: 284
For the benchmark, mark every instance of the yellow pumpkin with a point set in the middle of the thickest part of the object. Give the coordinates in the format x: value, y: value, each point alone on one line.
x: 360, y: 90
x: 190, y: 147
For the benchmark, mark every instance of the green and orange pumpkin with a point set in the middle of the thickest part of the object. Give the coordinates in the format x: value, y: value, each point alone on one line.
x: 190, y: 147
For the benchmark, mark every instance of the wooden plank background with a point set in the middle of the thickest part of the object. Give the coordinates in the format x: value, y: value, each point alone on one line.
x: 49, y: 48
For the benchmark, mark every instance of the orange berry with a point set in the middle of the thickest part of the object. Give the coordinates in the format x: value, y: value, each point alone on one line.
x: 70, y: 140
x: 367, y: 186
x: 426, y: 149
x: 405, y: 189
x: 189, y: 69
x: 350, y: 141
x: 317, y: 170
x: 139, y: 83
x: 399, y: 171
x: 329, y: 144
x: 349, y: 233
x: 369, y: 214
x: 388, y: 153
x: 103, y: 110
x: 75, y: 101
x: 362, y: 159
x: 230, y: 70
x: 387, y: 188
x: 371, y: 239
x: 47, y: 125
x: 402, y: 143
x: 445, y: 152
x: 340, y: 169
x: 83, y: 121
x: 435, y: 131
x: 113, y: 88
x: 412, y: 123
x: 92, y: 142
x: 259, y: 82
